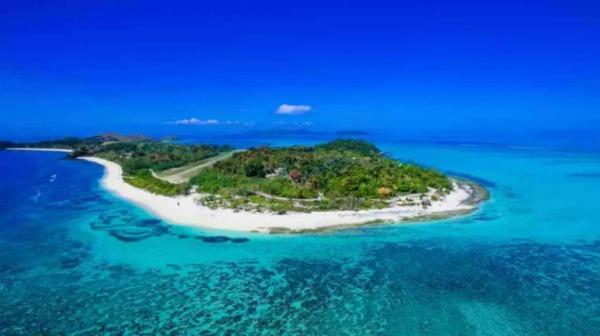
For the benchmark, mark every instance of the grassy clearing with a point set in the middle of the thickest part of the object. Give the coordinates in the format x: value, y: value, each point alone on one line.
x: 179, y: 175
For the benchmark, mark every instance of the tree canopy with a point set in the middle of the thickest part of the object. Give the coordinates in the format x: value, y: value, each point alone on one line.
x: 341, y: 169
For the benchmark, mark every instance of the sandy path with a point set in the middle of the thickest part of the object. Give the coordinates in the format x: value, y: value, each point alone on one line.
x: 183, y: 174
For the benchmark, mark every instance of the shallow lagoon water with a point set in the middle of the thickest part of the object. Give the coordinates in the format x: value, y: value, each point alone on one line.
x: 76, y: 260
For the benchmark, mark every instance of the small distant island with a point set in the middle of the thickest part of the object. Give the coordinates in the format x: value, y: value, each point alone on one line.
x: 288, y: 189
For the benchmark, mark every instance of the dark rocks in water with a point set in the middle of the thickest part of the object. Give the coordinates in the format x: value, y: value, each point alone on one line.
x: 105, y: 225
x: 149, y: 222
x: 183, y: 236
x: 215, y: 239
x: 220, y: 239
x: 107, y: 218
x: 69, y: 263
x: 129, y: 236
x: 136, y: 234
x: 129, y: 229
x: 161, y: 229
x: 96, y: 226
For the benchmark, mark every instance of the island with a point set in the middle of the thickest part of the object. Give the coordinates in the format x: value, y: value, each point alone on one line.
x: 333, y: 185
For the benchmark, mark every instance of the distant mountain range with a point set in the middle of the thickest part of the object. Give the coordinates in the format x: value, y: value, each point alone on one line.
x: 107, y: 137
x: 74, y: 142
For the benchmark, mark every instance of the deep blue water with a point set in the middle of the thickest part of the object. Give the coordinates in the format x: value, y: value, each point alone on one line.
x: 76, y: 260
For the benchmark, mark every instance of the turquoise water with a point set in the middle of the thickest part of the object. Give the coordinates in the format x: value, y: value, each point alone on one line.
x: 76, y: 260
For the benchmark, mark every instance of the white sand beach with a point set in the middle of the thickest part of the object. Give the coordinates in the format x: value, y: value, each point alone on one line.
x: 184, y: 210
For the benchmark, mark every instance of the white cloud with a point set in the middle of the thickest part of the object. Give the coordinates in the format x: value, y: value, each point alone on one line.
x: 238, y: 123
x: 210, y: 122
x: 195, y: 121
x: 200, y: 122
x: 293, y: 109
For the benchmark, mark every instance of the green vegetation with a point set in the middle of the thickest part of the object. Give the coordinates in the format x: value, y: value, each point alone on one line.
x: 145, y: 180
x: 156, y: 156
x: 140, y: 158
x: 342, y: 174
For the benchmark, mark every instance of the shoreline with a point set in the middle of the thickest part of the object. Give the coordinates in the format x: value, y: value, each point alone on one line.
x: 183, y: 210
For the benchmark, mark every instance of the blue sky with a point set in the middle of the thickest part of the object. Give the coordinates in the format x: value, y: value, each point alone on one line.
x: 96, y: 66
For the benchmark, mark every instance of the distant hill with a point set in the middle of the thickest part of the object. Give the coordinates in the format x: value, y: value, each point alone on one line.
x: 6, y: 144
x: 108, y: 137
x: 76, y: 143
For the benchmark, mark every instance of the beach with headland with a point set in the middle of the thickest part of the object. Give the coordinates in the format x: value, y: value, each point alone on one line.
x: 185, y: 210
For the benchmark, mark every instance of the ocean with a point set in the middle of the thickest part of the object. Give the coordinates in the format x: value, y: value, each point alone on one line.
x: 76, y: 260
